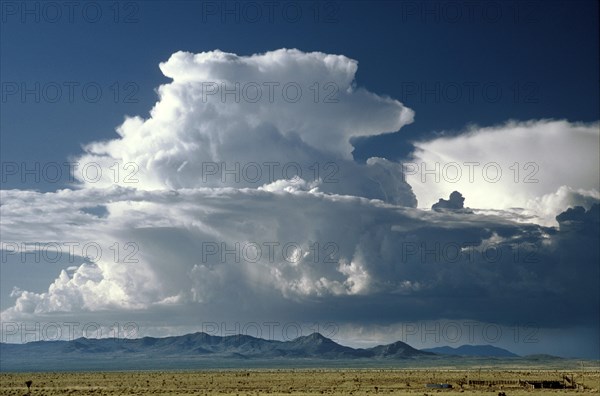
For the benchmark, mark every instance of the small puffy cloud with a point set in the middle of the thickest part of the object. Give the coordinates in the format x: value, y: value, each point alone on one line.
x: 455, y: 202
x: 578, y: 218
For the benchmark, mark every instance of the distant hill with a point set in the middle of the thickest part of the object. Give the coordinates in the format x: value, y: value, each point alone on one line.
x: 472, y: 350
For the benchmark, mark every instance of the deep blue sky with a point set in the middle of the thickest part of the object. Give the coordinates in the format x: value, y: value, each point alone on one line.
x: 547, y: 50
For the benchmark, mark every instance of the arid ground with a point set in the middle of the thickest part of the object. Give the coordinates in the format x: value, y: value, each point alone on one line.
x: 287, y: 382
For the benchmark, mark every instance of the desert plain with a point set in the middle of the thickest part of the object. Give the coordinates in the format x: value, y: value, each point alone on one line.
x: 298, y: 382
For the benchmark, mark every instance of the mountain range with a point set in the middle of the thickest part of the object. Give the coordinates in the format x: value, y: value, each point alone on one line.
x: 203, y: 344
x: 199, y: 350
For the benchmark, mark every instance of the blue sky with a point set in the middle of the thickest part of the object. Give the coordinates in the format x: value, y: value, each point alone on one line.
x: 542, y: 56
x: 426, y: 82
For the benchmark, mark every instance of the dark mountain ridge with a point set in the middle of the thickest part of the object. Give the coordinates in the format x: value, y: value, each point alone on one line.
x: 314, y: 346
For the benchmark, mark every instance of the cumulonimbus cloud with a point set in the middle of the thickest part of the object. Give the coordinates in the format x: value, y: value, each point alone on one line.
x: 348, y: 245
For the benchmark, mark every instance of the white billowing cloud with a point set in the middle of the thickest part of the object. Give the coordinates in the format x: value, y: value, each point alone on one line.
x: 353, y: 112
x: 228, y: 251
x: 91, y: 288
x: 182, y: 240
x: 511, y: 165
x: 200, y: 134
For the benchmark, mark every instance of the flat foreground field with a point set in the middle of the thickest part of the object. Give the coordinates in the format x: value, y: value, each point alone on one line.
x: 287, y: 382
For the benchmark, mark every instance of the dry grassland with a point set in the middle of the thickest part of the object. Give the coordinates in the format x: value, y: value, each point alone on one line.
x: 284, y: 382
